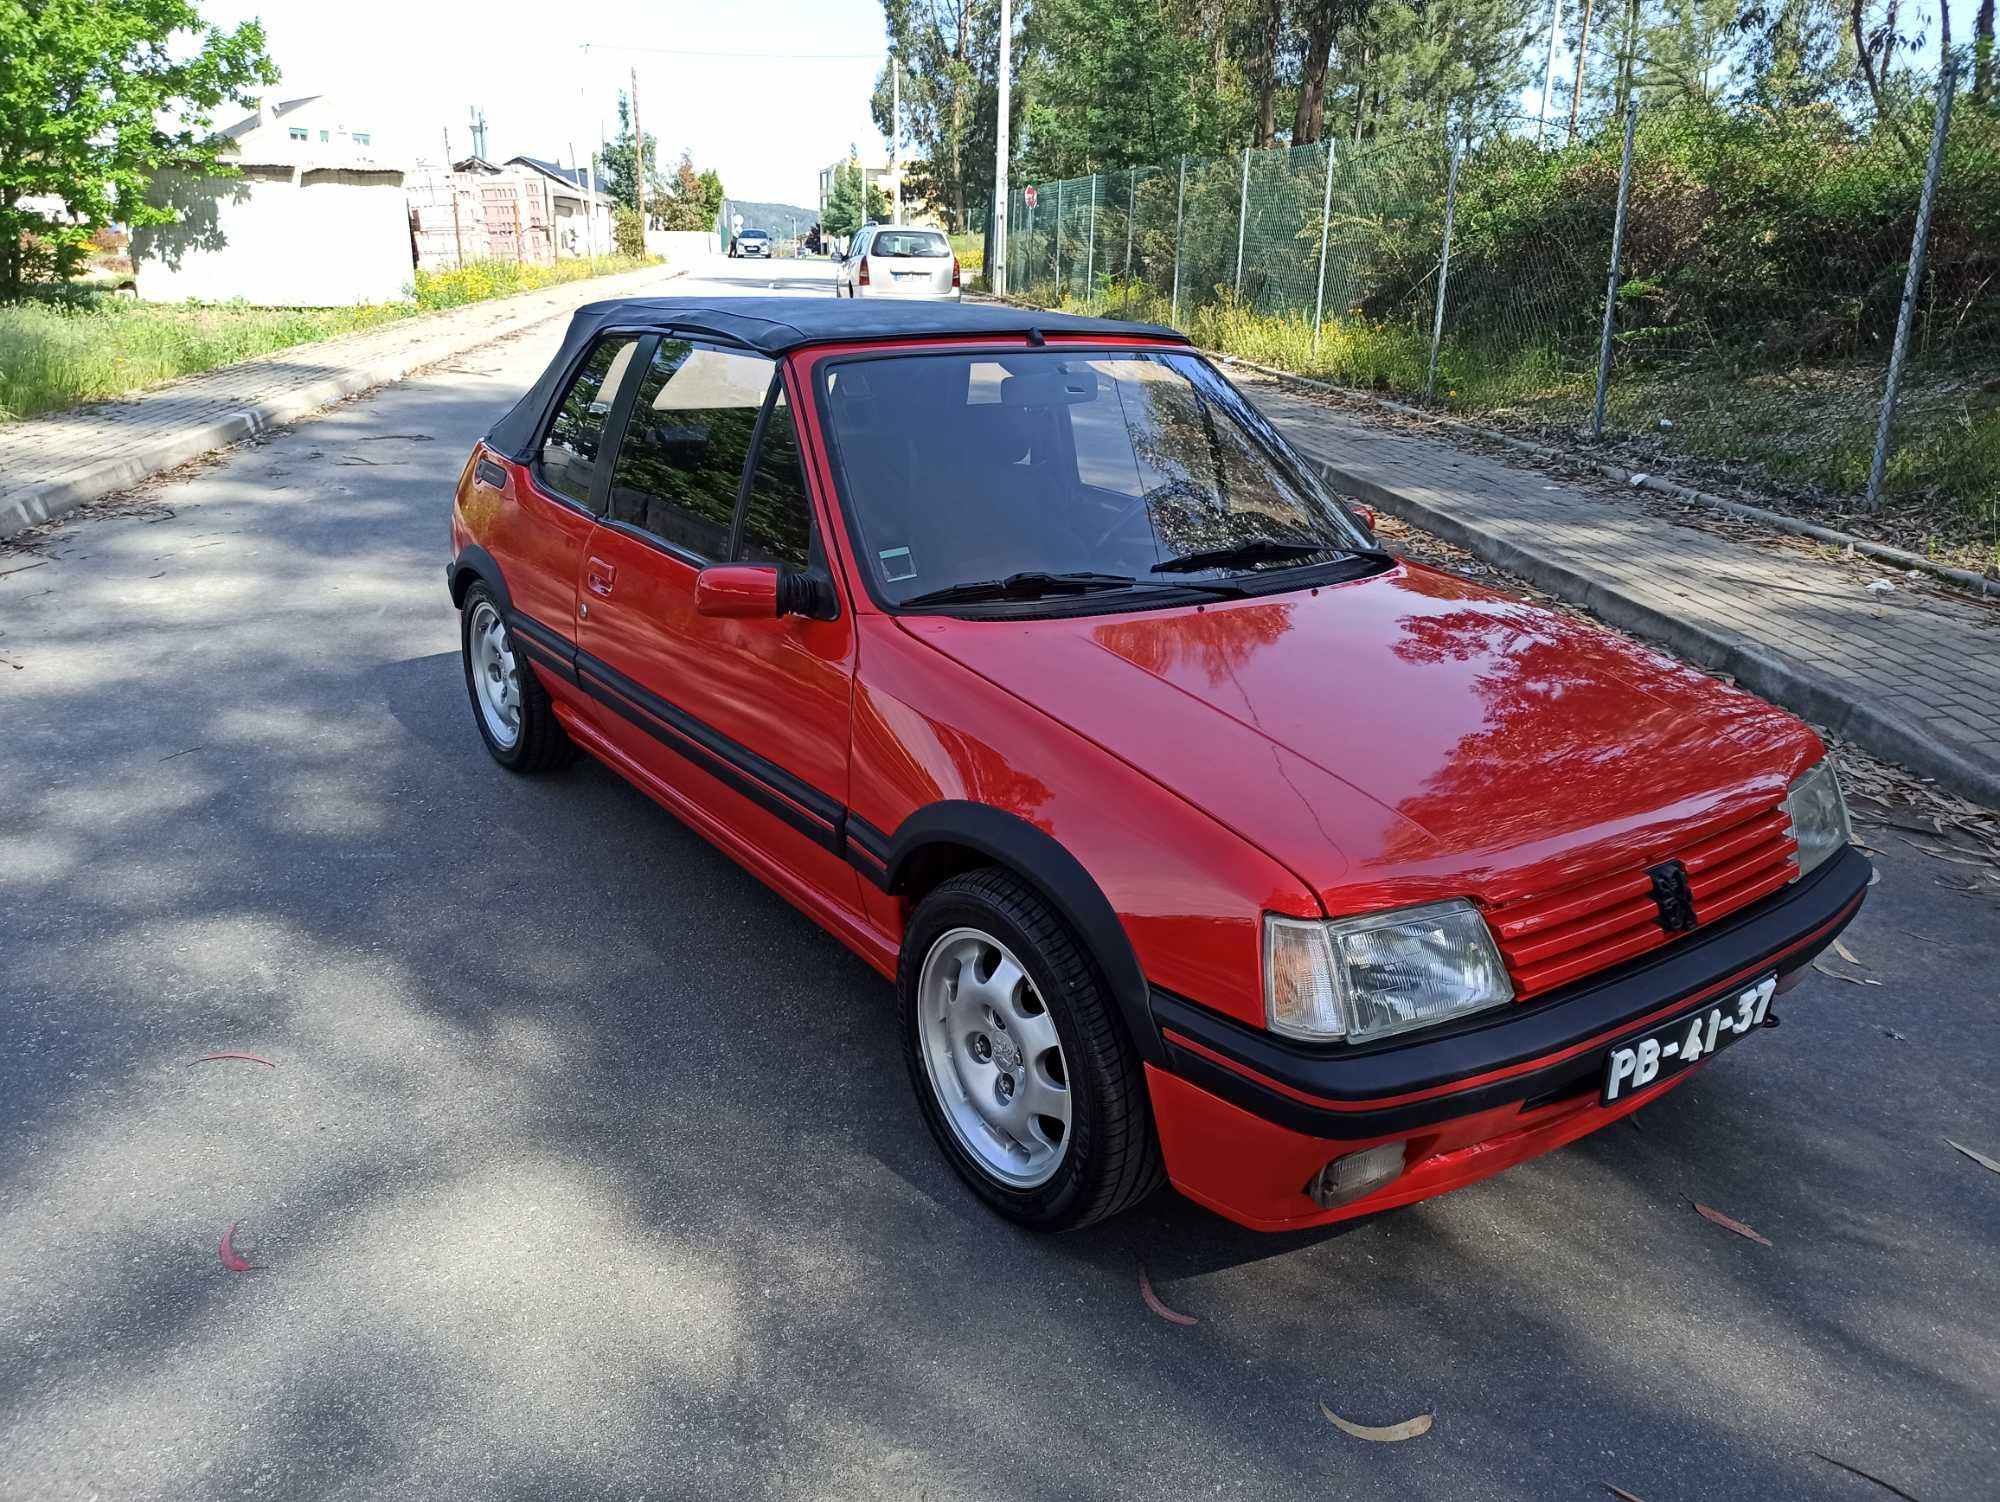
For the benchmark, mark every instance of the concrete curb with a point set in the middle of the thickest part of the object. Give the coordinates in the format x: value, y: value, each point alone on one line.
x: 47, y: 502
x: 1802, y: 690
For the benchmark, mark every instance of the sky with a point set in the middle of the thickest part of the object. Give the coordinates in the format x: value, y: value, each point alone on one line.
x: 711, y: 77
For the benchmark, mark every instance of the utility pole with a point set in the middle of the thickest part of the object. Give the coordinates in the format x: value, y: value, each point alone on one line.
x: 896, y: 140
x: 638, y: 150
x: 1549, y: 78
x: 451, y: 187
x: 996, y: 274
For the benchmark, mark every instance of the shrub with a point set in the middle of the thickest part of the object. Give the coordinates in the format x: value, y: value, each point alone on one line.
x: 628, y: 232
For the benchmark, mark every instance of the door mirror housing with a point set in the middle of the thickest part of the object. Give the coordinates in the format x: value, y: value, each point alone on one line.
x: 737, y: 591
x: 760, y: 591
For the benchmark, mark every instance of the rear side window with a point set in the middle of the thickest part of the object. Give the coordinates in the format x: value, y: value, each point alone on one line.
x: 569, y: 453
x: 681, y: 463
x: 777, y: 521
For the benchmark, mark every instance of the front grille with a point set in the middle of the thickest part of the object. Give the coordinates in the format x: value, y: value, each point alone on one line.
x: 1560, y: 936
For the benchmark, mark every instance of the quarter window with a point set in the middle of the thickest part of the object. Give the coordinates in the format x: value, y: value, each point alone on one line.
x: 777, y: 521
x: 681, y: 463
x: 569, y: 453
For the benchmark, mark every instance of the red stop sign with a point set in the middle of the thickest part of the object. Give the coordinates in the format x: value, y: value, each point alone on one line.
x: 1029, y: 194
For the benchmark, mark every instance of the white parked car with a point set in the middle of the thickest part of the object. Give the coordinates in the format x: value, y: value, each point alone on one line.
x: 888, y: 260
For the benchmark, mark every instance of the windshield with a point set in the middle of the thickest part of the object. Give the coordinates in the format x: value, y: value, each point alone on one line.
x: 755, y: 234
x: 1137, y: 469
x: 906, y: 243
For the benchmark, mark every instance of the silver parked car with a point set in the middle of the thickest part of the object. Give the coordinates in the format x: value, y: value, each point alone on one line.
x: 887, y: 260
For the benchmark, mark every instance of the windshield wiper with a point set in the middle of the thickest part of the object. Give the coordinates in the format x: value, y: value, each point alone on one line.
x: 1029, y: 585
x: 1255, y: 550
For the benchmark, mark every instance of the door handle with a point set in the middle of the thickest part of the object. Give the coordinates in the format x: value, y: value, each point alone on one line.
x: 599, y: 575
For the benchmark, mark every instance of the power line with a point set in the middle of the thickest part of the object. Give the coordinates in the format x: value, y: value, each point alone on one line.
x: 728, y: 52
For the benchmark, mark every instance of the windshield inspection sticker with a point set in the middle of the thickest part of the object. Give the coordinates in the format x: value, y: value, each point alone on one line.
x: 896, y: 564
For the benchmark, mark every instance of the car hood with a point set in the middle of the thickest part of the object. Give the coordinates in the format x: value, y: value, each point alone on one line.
x: 1407, y: 736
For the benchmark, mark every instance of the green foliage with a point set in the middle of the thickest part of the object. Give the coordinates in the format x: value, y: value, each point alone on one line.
x: 63, y: 346
x: 96, y: 96
x: 618, y: 162
x: 693, y: 200
x: 845, y: 210
x: 628, y: 231
x: 949, y: 55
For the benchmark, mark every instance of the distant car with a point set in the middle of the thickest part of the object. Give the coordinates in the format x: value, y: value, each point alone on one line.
x: 1204, y: 839
x: 886, y: 260
x: 753, y: 242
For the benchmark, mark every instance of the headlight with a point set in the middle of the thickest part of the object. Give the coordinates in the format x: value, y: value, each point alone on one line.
x: 1367, y: 977
x: 1819, y: 816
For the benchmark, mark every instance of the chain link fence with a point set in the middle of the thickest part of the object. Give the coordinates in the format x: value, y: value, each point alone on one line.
x: 1749, y: 326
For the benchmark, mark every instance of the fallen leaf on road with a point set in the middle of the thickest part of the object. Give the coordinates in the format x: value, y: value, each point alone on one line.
x: 210, y: 1058
x: 1153, y: 1302
x: 1853, y: 980
x: 1857, y: 1471
x: 1844, y: 952
x: 1980, y: 1158
x: 1946, y: 855
x: 1620, y: 1492
x: 227, y: 1253
x: 1381, y: 1434
x: 1716, y: 1217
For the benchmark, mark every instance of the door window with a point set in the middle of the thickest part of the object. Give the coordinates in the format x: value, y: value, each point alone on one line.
x: 569, y: 453
x: 777, y: 519
x: 681, y: 463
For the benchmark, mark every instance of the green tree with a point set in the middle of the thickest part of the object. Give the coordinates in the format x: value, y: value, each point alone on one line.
x: 847, y: 207
x: 692, y: 200
x: 628, y: 231
x: 945, y: 89
x: 96, y: 97
x: 619, y: 161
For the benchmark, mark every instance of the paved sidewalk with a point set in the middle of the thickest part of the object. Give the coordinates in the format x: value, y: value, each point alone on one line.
x: 50, y: 464
x: 1912, y: 674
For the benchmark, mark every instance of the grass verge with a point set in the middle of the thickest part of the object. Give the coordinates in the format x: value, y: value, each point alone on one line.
x: 1800, y: 438
x: 75, y: 347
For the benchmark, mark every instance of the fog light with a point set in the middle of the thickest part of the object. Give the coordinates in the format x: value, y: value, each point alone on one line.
x: 1345, y: 1180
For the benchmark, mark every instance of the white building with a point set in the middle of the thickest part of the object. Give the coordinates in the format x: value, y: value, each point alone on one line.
x: 317, y: 217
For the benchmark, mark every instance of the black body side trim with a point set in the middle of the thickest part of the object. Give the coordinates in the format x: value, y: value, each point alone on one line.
x: 1819, y: 904
x: 820, y: 818
x: 547, y: 647
x: 1038, y: 857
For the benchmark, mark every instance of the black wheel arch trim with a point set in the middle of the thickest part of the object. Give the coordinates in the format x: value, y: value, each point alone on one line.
x: 1787, y: 929
x: 1037, y: 857
x: 474, y: 562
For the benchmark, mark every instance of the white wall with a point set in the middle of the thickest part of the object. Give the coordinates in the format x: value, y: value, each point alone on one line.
x: 680, y: 245
x: 328, y: 238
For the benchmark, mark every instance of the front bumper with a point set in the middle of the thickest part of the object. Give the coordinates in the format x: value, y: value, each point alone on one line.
x: 1246, y: 1118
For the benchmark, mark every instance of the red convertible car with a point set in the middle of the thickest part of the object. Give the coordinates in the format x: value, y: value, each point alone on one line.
x: 1203, y: 839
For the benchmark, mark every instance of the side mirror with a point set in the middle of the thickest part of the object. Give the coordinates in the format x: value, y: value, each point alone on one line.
x: 759, y: 592
x: 740, y: 591
x: 1365, y: 514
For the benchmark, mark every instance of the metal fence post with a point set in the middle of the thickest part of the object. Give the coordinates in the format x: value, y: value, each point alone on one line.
x: 1180, y: 202
x: 1444, y: 268
x: 1090, y: 248
x: 1242, y: 216
x: 1611, y: 285
x: 1131, y: 213
x: 1912, y: 284
x: 1325, y: 216
x: 1059, y: 207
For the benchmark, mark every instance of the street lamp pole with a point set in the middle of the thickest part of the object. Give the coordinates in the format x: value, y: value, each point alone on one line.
x: 896, y: 140
x: 996, y: 274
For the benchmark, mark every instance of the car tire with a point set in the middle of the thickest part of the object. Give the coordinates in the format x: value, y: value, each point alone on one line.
x: 509, y: 705
x: 967, y: 1023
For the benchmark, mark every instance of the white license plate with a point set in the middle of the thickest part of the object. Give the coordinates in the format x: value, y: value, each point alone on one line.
x: 912, y: 276
x: 1686, y: 1041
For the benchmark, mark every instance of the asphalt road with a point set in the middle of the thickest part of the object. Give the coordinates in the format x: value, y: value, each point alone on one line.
x: 588, y: 1168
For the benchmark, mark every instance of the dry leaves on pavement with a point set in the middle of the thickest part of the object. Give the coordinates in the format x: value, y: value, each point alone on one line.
x: 1978, y: 1157
x: 227, y: 1252
x: 1728, y: 1223
x: 1153, y: 1302
x: 1381, y: 1434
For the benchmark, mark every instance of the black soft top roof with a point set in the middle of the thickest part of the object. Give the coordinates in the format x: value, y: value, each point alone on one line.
x: 777, y: 325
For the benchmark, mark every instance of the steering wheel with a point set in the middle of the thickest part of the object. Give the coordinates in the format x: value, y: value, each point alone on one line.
x: 1170, y: 491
